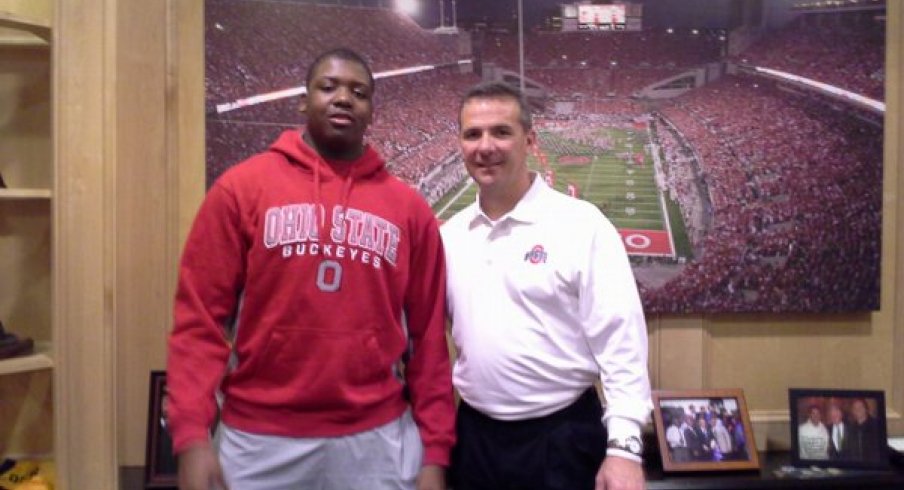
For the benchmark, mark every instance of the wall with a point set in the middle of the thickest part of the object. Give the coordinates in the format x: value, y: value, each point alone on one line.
x: 160, y: 182
x: 767, y: 354
x: 159, y: 100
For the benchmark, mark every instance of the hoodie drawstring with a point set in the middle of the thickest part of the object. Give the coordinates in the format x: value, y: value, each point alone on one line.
x: 344, y: 197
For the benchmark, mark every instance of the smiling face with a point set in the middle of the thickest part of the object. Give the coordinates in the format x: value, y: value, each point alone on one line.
x: 494, y: 145
x: 339, y: 107
x: 815, y: 416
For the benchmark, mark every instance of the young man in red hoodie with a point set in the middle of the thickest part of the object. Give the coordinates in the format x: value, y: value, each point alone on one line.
x: 309, y: 276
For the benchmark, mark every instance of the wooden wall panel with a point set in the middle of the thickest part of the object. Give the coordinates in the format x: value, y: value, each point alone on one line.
x: 160, y: 182
x: 142, y: 188
x: 83, y: 244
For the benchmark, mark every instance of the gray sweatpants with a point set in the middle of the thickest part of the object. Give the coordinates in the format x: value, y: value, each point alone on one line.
x: 385, y: 458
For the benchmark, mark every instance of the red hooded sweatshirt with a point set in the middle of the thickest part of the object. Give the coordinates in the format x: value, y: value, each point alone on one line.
x: 311, y: 286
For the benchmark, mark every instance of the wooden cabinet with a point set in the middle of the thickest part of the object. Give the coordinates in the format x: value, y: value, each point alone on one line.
x: 27, y: 167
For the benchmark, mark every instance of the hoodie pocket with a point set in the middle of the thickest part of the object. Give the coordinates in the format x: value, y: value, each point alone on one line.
x: 321, y: 364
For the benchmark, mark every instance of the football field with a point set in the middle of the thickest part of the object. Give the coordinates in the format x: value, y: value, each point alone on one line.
x: 608, y: 166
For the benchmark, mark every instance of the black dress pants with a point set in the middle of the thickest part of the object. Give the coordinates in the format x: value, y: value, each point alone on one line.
x: 560, y: 451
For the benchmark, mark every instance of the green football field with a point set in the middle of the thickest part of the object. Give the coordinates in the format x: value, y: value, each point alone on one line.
x: 611, y: 167
x: 625, y: 192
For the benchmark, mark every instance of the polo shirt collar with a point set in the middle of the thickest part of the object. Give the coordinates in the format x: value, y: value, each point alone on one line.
x: 525, y: 211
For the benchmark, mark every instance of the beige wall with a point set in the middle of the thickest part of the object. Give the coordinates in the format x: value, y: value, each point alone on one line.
x: 159, y: 181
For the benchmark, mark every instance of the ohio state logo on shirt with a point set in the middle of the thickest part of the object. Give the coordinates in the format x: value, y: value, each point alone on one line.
x: 535, y: 255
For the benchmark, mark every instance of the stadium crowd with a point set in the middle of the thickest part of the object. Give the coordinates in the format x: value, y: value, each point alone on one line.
x: 780, y: 193
x: 642, y: 49
x: 682, y: 180
x: 592, y: 66
x: 795, y: 186
x: 414, y: 123
x: 845, y: 51
x: 280, y: 51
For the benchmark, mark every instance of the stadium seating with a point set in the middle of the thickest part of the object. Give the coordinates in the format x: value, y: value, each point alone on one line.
x: 414, y: 123
x: 795, y: 187
x: 780, y: 192
x: 846, y: 52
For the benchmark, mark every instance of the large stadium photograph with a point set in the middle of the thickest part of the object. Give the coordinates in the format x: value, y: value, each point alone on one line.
x: 735, y: 144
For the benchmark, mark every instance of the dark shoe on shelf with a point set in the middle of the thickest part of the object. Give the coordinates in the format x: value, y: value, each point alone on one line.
x: 13, y: 346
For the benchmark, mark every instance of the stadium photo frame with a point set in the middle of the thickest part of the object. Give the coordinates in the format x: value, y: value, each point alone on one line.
x: 160, y: 470
x: 729, y: 177
x: 836, y: 428
x: 704, y: 430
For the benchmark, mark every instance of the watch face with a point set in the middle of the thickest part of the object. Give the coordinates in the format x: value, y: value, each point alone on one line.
x: 630, y: 444
x: 633, y: 445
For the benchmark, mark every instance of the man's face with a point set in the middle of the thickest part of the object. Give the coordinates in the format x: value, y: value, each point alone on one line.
x: 835, y: 415
x: 815, y: 416
x: 339, y: 108
x: 494, y: 144
x: 858, y: 410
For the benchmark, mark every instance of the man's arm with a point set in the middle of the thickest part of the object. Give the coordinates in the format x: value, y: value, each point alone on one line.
x: 616, y: 332
x: 210, y: 278
x: 199, y: 469
x: 620, y: 474
x: 428, y: 371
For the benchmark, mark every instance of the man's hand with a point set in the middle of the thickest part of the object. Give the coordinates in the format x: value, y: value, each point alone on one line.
x: 431, y: 477
x: 620, y: 474
x: 199, y: 469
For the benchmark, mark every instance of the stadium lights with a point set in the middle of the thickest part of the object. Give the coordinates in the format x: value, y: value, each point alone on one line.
x: 408, y: 7
x: 695, y: 32
x: 670, y: 30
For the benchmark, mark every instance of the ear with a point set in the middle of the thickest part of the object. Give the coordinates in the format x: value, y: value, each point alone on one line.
x: 303, y: 103
x: 531, y: 138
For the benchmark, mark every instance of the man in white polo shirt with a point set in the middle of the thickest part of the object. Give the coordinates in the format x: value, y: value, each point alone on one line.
x: 543, y: 303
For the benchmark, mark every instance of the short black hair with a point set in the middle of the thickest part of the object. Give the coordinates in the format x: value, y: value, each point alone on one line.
x: 499, y: 89
x: 342, y: 54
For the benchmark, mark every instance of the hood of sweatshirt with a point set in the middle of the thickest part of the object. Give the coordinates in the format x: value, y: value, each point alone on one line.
x: 291, y: 144
x: 296, y: 150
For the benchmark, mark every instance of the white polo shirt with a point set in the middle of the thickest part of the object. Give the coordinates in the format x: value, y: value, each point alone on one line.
x: 543, y: 302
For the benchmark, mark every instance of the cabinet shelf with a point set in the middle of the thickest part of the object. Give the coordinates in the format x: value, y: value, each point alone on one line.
x: 37, y: 361
x: 22, y: 194
x: 39, y: 28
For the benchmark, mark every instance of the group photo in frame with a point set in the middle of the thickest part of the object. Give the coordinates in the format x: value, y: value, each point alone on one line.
x: 704, y: 430
x: 838, y: 428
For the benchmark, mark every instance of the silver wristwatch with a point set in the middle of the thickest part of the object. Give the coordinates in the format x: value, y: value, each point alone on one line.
x: 631, y: 445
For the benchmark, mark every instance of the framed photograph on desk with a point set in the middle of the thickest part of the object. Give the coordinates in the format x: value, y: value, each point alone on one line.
x: 704, y: 430
x: 838, y: 428
x: 160, y: 470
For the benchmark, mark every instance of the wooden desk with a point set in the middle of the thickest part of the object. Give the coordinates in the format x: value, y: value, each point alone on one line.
x: 764, y: 479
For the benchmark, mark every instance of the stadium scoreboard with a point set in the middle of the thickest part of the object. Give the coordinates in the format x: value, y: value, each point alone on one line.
x: 601, y: 17
x: 608, y: 17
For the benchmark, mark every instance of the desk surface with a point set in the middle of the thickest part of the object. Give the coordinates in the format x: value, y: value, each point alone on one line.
x: 765, y: 478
